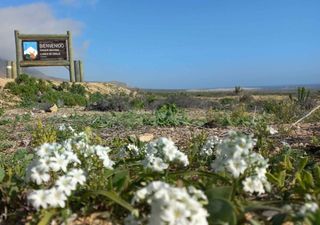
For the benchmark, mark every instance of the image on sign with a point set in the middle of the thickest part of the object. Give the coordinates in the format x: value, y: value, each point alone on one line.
x: 30, y: 50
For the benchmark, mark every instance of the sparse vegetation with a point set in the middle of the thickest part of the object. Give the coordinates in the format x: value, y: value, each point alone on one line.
x: 266, y: 165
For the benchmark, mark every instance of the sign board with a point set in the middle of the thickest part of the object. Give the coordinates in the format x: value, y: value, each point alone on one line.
x: 44, y: 50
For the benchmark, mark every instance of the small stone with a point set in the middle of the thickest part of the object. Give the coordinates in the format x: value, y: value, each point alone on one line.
x: 269, y: 214
x: 53, y: 108
x: 146, y: 137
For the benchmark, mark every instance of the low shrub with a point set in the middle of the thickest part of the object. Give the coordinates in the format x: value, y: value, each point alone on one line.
x: 32, y: 90
x: 117, y: 103
x: 169, y: 115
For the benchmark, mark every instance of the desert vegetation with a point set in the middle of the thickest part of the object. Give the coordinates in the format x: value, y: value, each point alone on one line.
x: 147, y: 157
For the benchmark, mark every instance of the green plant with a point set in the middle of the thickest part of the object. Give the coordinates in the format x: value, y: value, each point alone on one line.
x: 169, y: 115
x: 303, y: 95
x: 237, y: 90
x: 43, y: 134
x: 77, y: 89
x: 32, y: 91
x: 116, y: 103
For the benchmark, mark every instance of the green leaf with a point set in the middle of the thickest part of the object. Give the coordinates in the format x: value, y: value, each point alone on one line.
x: 121, y: 180
x: 220, y: 192
x: 303, y: 162
x: 316, y: 172
x: 287, y: 163
x: 308, y: 178
x: 273, y: 179
x: 45, y: 219
x: 2, y: 174
x: 221, y: 210
x: 299, y: 179
x: 282, y: 178
x: 115, y: 198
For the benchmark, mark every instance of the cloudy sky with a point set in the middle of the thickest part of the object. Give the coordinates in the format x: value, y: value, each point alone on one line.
x: 178, y: 43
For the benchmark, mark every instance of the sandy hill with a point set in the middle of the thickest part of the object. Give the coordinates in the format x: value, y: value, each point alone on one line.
x: 92, y: 87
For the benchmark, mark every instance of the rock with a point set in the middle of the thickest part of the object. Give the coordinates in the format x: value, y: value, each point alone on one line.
x: 53, y: 108
x: 146, y: 137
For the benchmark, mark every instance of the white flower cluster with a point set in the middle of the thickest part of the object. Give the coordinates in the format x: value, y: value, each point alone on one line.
x: 60, y: 161
x: 57, y: 195
x: 309, y: 207
x: 271, y: 130
x: 63, y: 127
x: 235, y: 155
x: 129, y: 151
x: 162, y: 151
x: 173, y: 205
x: 208, y: 147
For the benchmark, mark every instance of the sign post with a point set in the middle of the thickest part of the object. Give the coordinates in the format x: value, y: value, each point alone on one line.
x: 44, y: 50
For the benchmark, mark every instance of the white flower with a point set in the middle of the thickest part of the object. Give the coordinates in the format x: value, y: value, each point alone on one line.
x: 62, y: 127
x: 176, y: 213
x: 141, y: 194
x: 236, y: 166
x: 39, y: 198
x: 39, y: 175
x: 157, y: 164
x: 65, y: 184
x: 252, y: 184
x: 197, y: 193
x: 285, y: 144
x: 271, y: 130
x: 57, y: 198
x: 108, y: 163
x: 134, y: 149
x: 309, y: 207
x: 59, y: 162
x: 71, y: 157
x: 235, y: 155
x: 208, y: 147
x: 47, y: 149
x: 160, y: 152
x: 261, y: 172
x: 77, y: 176
x: 172, y: 205
x: 102, y: 153
x: 71, y: 129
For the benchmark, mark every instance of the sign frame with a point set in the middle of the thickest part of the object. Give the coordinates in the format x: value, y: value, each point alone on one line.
x: 68, y: 62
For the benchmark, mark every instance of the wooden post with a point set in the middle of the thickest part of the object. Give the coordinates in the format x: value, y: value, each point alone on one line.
x: 18, y: 51
x: 13, y: 70
x: 81, y: 70
x: 70, y: 52
x: 8, y: 69
x: 77, y: 70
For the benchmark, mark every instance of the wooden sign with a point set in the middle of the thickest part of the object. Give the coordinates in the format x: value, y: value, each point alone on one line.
x: 44, y: 50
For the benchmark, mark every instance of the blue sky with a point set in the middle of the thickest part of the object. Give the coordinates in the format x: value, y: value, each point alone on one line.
x: 195, y: 43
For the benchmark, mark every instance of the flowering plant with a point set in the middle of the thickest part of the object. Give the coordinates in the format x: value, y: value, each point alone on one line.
x: 160, y: 152
x: 171, y: 205
x: 60, y: 167
x: 235, y: 155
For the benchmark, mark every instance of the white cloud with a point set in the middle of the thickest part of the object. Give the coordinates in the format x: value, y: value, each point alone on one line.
x: 31, y: 18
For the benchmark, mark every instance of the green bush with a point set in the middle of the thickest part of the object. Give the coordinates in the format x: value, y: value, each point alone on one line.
x: 116, y: 103
x: 32, y: 90
x: 169, y: 115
